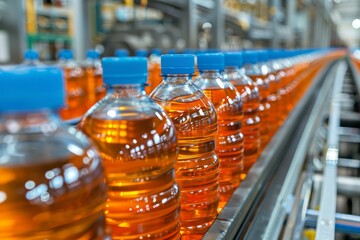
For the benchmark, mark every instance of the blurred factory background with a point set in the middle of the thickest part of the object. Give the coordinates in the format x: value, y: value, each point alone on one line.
x: 48, y: 25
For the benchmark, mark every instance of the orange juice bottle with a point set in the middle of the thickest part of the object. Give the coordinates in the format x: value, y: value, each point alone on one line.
x: 31, y: 58
x: 52, y: 181
x: 141, y: 53
x: 273, y: 98
x: 259, y: 78
x: 121, y: 52
x: 154, y: 78
x: 76, y: 87
x: 197, y: 167
x: 276, y: 83
x: 294, y: 78
x: 138, y: 144
x: 93, y: 74
x: 229, y: 109
x: 172, y: 51
x: 251, y: 100
x: 275, y: 76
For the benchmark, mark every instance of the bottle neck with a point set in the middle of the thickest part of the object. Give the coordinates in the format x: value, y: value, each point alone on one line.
x: 127, y: 90
x: 251, y: 69
x: 210, y: 73
x: 92, y: 63
x: 231, y: 69
x: 68, y: 63
x: 31, y: 61
x: 41, y: 121
x: 177, y: 78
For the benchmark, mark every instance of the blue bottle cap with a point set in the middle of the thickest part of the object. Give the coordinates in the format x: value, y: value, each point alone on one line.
x: 141, y: 53
x: 233, y: 59
x: 274, y: 53
x: 189, y: 51
x: 31, y: 54
x: 250, y: 57
x: 172, y: 51
x: 282, y: 54
x: 92, y: 54
x: 65, y: 54
x: 200, y: 51
x: 210, y: 61
x: 124, y: 70
x: 156, y: 51
x: 177, y: 64
x: 121, y: 52
x: 31, y: 88
x: 212, y: 50
x: 263, y: 55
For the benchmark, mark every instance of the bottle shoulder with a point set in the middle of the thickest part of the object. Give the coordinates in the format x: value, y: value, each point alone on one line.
x: 185, y: 91
x: 42, y: 144
x: 112, y: 107
x: 71, y: 69
x: 218, y: 86
x: 224, y: 96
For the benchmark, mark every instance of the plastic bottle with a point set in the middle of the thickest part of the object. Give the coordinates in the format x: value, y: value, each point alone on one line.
x: 228, y: 105
x: 273, y: 97
x: 290, y: 84
x: 197, y: 167
x: 141, y: 53
x: 154, y: 78
x: 76, y: 87
x: 93, y: 74
x: 138, y: 144
x: 52, y: 182
x: 31, y: 58
x: 276, y: 79
x: 121, y: 52
x: 252, y: 70
x: 250, y: 98
x: 172, y: 51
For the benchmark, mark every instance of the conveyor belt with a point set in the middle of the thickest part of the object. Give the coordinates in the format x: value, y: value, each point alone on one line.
x: 322, y: 188
x: 295, y: 185
x: 261, y: 204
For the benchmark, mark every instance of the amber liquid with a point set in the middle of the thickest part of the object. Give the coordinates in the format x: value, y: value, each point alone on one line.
x: 95, y: 88
x: 100, y: 90
x: 287, y: 85
x: 279, y: 86
x: 138, y: 151
x: 154, y: 78
x: 275, y: 99
x: 76, y: 89
x: 251, y: 125
x: 51, y: 195
x: 229, y: 140
x: 196, y: 73
x: 264, y: 109
x: 197, y: 167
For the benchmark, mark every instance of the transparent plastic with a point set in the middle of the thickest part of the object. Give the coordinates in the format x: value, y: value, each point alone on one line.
x: 93, y: 74
x: 197, y: 167
x: 251, y: 121
x: 138, y: 144
x: 76, y: 90
x: 52, y: 183
x: 154, y: 78
x: 275, y: 76
x: 276, y: 98
x: 229, y: 139
x: 32, y: 63
x: 261, y: 81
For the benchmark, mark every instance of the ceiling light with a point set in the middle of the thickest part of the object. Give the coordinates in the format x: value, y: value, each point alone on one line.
x: 356, y: 23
